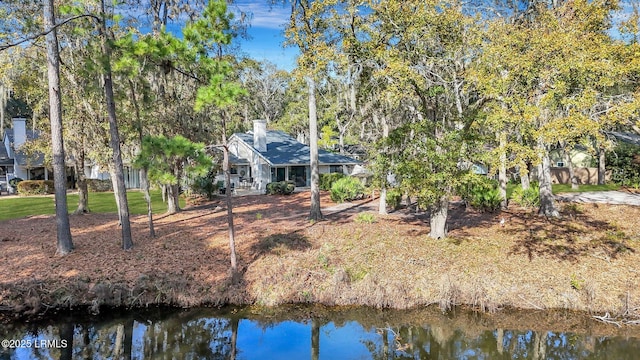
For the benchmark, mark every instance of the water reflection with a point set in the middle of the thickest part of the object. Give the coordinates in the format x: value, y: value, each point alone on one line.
x: 307, y: 333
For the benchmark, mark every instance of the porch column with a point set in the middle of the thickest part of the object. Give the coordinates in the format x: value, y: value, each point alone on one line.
x: 46, y: 174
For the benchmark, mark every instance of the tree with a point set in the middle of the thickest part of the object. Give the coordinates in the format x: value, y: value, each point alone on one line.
x: 65, y: 242
x: 219, y: 92
x: 307, y: 30
x: 423, y: 49
x: 168, y: 159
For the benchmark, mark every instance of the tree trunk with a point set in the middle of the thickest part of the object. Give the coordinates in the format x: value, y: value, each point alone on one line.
x: 573, y: 180
x: 502, y: 171
x: 172, y: 205
x: 547, y: 199
x: 438, y: 218
x: 602, y: 161
x: 383, y: 189
x: 228, y: 194
x: 63, y: 230
x: 382, y: 207
x: 121, y: 193
x: 525, y: 179
x: 144, y: 179
x: 83, y: 191
x: 315, y: 213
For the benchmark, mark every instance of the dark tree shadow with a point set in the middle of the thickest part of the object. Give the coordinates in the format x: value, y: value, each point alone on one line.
x: 568, y: 238
x: 290, y: 241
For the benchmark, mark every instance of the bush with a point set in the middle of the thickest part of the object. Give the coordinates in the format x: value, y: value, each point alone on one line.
x: 527, y: 198
x: 365, y: 218
x: 35, y: 187
x: 346, y: 189
x: 486, y: 199
x: 327, y: 180
x: 394, y: 197
x: 204, y: 185
x: 281, y: 188
x: 480, y: 192
x: 96, y: 185
x: 14, y: 182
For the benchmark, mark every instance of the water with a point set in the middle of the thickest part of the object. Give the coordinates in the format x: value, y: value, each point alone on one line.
x: 318, y: 333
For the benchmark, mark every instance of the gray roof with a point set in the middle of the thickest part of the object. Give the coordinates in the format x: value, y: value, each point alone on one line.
x: 283, y: 149
x: 21, y: 158
x: 4, y: 157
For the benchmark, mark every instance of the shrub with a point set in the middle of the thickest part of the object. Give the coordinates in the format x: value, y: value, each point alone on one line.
x: 14, y: 182
x: 527, y: 198
x: 96, y: 185
x: 35, y: 187
x: 486, y: 199
x: 394, y: 197
x: 346, y: 189
x: 480, y: 192
x: 365, y: 218
x: 327, y: 180
x: 281, y: 188
x: 204, y: 185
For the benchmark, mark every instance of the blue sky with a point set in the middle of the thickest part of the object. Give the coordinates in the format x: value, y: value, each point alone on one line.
x: 266, y: 31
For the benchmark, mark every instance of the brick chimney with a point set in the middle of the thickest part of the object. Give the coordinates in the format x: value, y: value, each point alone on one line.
x: 260, y: 135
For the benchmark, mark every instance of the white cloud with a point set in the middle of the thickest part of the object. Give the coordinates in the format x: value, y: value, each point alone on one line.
x: 263, y: 14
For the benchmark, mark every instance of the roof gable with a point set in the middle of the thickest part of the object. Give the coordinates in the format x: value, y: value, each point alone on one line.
x: 283, y: 149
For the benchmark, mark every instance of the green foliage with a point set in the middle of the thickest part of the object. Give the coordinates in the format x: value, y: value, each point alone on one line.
x: 14, y: 182
x: 327, y: 180
x: 394, y: 197
x: 529, y: 198
x: 365, y: 218
x: 204, y: 185
x: 486, y: 200
x: 346, y: 189
x: 280, y: 188
x: 624, y: 161
x: 167, y: 158
x: 96, y: 185
x: 35, y: 187
x: 480, y: 192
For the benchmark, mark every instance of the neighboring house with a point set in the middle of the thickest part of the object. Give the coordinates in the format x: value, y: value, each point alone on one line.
x: 579, y: 155
x: 131, y: 175
x: 260, y: 157
x: 13, y: 162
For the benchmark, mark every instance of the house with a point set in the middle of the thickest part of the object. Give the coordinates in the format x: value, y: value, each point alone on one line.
x: 262, y: 156
x: 16, y: 164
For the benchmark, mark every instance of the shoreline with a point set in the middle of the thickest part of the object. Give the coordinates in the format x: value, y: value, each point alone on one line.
x: 584, y: 262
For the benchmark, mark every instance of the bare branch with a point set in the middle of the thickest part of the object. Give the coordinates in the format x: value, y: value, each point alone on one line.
x: 43, y: 33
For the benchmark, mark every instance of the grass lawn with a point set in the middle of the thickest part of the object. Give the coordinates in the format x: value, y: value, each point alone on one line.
x: 104, y: 202
x: 564, y: 188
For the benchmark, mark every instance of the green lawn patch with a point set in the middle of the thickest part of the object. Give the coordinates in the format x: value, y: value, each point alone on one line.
x: 564, y: 188
x: 103, y: 202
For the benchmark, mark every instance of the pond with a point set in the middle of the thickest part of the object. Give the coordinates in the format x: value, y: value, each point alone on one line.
x: 318, y: 333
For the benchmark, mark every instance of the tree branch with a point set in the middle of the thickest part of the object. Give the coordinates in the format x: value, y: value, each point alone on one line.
x: 43, y: 33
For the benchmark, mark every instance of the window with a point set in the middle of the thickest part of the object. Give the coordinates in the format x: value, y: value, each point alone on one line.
x: 335, y: 168
x: 560, y: 164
